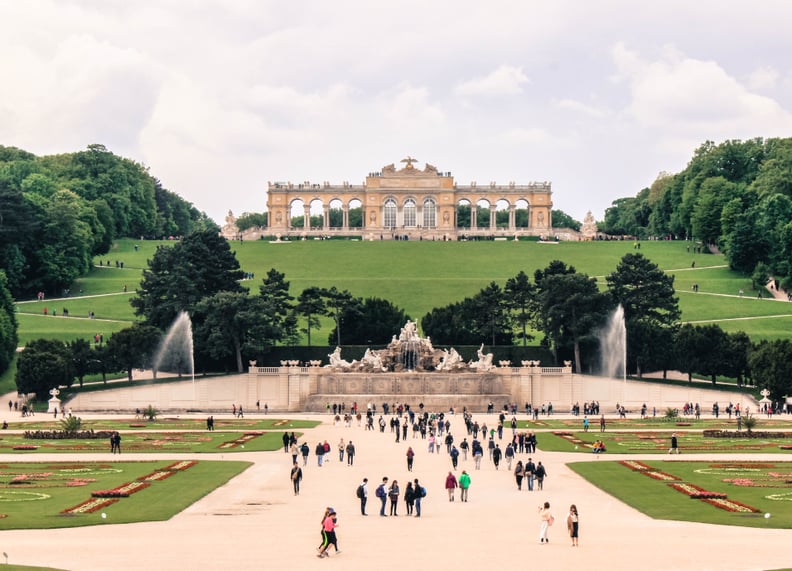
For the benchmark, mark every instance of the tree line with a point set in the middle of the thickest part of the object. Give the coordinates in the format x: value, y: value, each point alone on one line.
x: 736, y: 195
x: 231, y: 324
x: 58, y: 211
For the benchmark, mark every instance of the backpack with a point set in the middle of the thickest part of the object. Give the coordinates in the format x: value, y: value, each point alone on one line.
x: 381, y: 491
x: 359, y: 491
x: 423, y: 492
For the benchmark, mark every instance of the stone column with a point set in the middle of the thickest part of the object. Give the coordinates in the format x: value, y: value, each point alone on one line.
x: 512, y: 217
x: 493, y: 218
x: 326, y: 209
x: 345, y: 210
x: 473, y: 210
x: 306, y: 217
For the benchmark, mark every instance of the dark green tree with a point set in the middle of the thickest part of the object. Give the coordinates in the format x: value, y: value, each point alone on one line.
x: 521, y: 300
x: 179, y: 276
x: 339, y: 304
x: 572, y: 309
x: 373, y: 321
x: 771, y: 367
x: 8, y: 325
x: 274, y: 293
x: 563, y: 220
x: 491, y: 316
x: 134, y: 347
x: 82, y: 356
x: 651, y: 310
x: 45, y: 364
x: 311, y: 306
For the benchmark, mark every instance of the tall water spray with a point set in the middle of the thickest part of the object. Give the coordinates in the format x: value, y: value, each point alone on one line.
x: 175, y: 353
x: 613, y: 346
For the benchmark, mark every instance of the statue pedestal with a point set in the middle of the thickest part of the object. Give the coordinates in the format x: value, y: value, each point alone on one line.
x: 54, y: 405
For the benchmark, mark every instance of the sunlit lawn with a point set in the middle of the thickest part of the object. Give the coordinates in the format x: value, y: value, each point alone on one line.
x: 36, y: 495
x: 764, y: 486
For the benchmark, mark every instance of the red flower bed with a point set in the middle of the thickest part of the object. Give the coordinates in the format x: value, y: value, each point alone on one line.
x: 123, y: 491
x: 696, y: 493
x: 90, y: 506
x: 25, y: 447
x: 730, y: 505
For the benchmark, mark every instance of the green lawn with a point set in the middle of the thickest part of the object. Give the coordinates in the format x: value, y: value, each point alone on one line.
x: 763, y: 486
x: 691, y: 440
x: 36, y: 495
x: 416, y: 276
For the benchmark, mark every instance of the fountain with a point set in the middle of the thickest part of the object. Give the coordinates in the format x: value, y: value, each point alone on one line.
x: 613, y: 346
x: 175, y: 353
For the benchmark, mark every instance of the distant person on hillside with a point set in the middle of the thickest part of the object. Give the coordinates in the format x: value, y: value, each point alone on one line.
x: 674, y: 445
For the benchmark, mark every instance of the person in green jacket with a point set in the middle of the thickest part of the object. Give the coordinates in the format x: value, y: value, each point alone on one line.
x: 464, y: 484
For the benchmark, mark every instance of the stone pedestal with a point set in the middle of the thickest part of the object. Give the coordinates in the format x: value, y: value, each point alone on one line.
x: 54, y: 405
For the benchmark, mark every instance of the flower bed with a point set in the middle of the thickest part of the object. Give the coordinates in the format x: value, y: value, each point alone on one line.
x: 25, y: 447
x: 745, y: 434
x: 696, y: 493
x: 183, y: 465
x: 730, y: 505
x: 635, y: 465
x: 123, y: 491
x: 90, y: 506
x: 247, y: 437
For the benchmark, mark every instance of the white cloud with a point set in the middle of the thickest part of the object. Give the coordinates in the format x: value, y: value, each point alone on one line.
x: 506, y: 80
x: 765, y: 77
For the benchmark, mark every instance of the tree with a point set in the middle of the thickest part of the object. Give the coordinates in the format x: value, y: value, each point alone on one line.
x: 571, y: 307
x: 340, y: 305
x: 133, y: 347
x: 687, y: 348
x: 227, y: 323
x: 771, y: 366
x: 274, y: 293
x: 520, y: 297
x: 563, y: 220
x: 311, y: 305
x: 491, y: 315
x: 452, y: 324
x: 45, y: 364
x: 651, y: 310
x: 8, y: 325
x: 81, y: 356
x: 178, y: 277
x: 372, y: 321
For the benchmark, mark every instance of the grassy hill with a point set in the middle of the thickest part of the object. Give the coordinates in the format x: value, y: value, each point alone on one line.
x: 416, y: 276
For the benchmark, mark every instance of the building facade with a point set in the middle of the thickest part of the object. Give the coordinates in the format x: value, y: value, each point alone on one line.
x: 409, y: 202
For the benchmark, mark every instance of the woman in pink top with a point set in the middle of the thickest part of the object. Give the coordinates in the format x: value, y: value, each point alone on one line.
x: 328, y: 533
x: 546, y: 518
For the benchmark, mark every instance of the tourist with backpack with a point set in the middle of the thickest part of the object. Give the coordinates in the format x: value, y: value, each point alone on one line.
x: 420, y: 493
x: 382, y: 494
x: 362, y: 495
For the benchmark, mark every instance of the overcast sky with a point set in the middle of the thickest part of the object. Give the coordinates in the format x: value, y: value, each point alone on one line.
x: 217, y: 98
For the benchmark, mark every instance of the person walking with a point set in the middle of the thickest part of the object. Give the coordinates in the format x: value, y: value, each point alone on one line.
x: 464, y: 485
x: 540, y: 474
x: 393, y: 495
x: 294, y: 452
x: 305, y: 450
x: 674, y: 444
x: 546, y: 519
x: 328, y: 530
x: 572, y: 524
x: 350, y: 451
x: 296, y: 477
x: 519, y: 474
x: 419, y: 493
x: 509, y: 455
x: 362, y: 494
x: 454, y: 453
x: 319, y: 451
x: 478, y: 454
x: 410, y: 458
x: 530, y: 473
x: 382, y: 494
x: 451, y: 485
x: 464, y: 447
x: 602, y: 423
x: 585, y: 424
x: 341, y: 449
x: 496, y: 455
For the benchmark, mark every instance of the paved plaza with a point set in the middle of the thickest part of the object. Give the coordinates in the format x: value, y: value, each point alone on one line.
x: 255, y: 521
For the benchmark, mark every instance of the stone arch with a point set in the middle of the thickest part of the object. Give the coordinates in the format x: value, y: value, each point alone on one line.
x: 297, y: 213
x: 336, y: 213
x: 463, y: 210
x: 522, y: 213
x: 503, y: 214
x: 409, y: 213
x: 318, y: 214
x: 484, y: 213
x: 355, y: 213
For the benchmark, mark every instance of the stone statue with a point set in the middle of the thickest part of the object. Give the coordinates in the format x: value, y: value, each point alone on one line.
x: 484, y: 362
x: 409, y: 332
x: 430, y: 169
x: 409, y: 160
x: 450, y: 360
x: 372, y: 360
x: 336, y: 362
x: 389, y: 169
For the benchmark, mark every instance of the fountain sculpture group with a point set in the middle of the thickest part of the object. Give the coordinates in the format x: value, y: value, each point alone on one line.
x: 409, y: 352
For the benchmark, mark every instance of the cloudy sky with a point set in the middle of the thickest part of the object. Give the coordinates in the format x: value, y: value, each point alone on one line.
x: 219, y: 97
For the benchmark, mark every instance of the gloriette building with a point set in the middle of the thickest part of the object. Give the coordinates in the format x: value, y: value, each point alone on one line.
x: 408, y: 202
